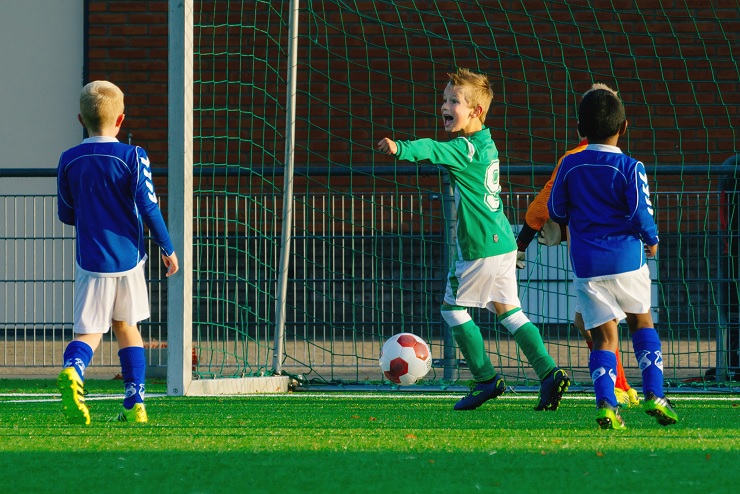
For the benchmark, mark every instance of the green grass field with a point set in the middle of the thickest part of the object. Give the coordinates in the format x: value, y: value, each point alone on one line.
x: 386, y: 443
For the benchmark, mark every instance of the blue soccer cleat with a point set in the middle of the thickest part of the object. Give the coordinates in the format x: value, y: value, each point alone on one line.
x: 552, y: 389
x: 481, y: 393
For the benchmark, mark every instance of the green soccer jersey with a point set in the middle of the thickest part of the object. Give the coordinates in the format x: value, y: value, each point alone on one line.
x: 472, y: 162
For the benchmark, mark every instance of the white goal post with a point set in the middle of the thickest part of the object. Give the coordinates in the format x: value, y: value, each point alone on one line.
x: 180, y: 380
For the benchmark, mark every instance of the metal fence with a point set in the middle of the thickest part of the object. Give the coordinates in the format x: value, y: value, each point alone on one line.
x: 36, y: 283
x: 351, y: 288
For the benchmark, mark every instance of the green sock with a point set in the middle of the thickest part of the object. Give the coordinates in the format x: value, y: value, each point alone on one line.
x: 470, y: 341
x: 527, y: 336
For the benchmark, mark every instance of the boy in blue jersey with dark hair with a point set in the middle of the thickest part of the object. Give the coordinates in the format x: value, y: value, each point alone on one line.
x: 105, y: 189
x: 604, y: 198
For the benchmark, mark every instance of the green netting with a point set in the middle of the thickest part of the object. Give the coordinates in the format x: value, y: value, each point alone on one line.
x: 369, y: 251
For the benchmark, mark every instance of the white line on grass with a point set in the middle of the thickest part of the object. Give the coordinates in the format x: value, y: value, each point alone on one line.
x: 507, y: 396
x: 385, y: 395
x: 51, y: 398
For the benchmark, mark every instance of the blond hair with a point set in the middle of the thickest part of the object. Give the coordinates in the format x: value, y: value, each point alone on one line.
x: 475, y: 87
x: 101, y: 102
x: 598, y: 85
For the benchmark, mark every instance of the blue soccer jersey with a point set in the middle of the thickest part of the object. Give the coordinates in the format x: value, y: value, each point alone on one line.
x: 105, y: 189
x: 604, y: 198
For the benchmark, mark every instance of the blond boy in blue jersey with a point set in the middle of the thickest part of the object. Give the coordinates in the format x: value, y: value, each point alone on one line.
x: 105, y: 190
x: 484, y: 271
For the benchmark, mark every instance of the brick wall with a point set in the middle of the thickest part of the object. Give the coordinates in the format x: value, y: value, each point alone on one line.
x: 363, y: 76
x: 127, y: 44
x: 676, y: 69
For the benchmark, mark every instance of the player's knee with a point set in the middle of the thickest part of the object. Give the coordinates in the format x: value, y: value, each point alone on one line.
x: 455, y: 316
x: 639, y: 321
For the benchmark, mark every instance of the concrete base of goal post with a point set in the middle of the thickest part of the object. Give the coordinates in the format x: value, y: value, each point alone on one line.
x: 238, y: 386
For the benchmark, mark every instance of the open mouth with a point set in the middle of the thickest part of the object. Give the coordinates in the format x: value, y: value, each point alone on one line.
x: 447, y: 120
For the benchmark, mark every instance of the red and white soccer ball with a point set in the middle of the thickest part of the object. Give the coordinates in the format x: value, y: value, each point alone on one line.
x: 405, y: 359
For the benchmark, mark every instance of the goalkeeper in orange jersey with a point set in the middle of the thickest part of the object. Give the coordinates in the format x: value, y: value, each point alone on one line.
x: 537, y: 219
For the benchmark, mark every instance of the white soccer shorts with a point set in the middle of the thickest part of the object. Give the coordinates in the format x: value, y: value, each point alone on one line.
x: 602, y: 300
x: 99, y: 300
x: 481, y: 282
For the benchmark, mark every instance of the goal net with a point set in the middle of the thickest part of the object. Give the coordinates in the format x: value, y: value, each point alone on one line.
x: 367, y: 245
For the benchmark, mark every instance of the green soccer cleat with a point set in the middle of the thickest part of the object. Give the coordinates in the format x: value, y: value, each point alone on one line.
x: 137, y: 414
x: 552, y: 389
x: 608, y: 416
x: 661, y: 409
x: 481, y: 393
x: 73, y: 397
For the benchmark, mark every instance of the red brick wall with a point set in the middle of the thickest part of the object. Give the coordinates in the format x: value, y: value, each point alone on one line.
x: 676, y: 69
x: 127, y: 44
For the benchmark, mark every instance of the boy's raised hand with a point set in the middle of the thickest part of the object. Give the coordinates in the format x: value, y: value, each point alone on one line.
x: 387, y: 146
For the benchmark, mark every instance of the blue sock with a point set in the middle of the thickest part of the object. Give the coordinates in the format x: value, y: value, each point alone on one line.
x: 133, y: 369
x: 602, y: 363
x: 646, y: 344
x: 78, y: 354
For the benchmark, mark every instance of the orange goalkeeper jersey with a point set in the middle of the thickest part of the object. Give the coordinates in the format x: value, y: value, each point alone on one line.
x: 537, y: 214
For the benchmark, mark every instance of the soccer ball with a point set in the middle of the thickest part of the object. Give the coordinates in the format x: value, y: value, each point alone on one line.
x: 405, y: 358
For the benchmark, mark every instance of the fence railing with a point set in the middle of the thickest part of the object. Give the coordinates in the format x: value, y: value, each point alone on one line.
x: 694, y: 287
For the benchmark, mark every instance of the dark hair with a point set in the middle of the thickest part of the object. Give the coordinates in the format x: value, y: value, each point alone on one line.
x: 600, y: 115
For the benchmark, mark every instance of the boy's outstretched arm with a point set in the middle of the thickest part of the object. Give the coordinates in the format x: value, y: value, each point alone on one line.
x: 387, y: 146
x: 454, y: 154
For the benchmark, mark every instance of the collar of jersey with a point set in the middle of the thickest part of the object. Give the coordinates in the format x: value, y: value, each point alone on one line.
x: 604, y: 148
x: 91, y: 140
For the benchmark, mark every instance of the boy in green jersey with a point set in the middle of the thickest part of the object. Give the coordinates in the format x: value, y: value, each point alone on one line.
x: 484, y: 271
